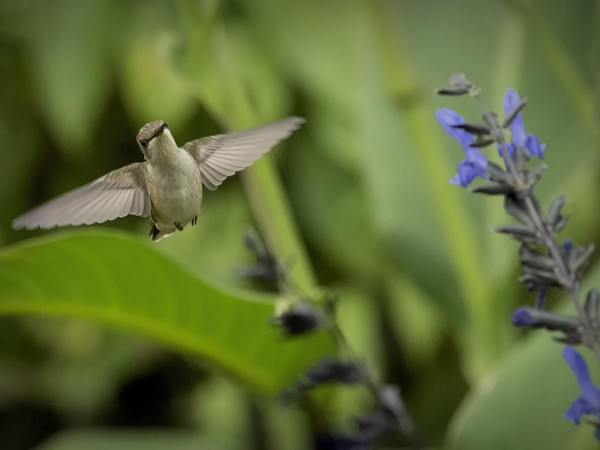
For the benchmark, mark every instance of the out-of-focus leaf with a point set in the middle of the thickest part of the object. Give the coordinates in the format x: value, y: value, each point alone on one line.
x: 286, y: 425
x: 70, y: 66
x: 18, y: 132
x: 106, y: 439
x: 153, y: 87
x: 220, y: 408
x: 357, y: 124
x: 521, y: 403
x: 358, y: 317
x: 327, y: 68
x: 401, y: 196
x: 234, y: 75
x: 333, y: 211
x: 417, y: 323
x: 112, y: 278
x: 87, y: 366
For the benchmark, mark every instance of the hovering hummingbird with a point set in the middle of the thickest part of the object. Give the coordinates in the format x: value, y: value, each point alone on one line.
x: 167, y: 187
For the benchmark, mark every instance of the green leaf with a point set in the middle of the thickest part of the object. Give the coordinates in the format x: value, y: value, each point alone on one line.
x: 234, y: 80
x: 115, y: 279
x: 521, y: 404
x: 317, y: 188
x: 161, y: 92
x: 69, y: 60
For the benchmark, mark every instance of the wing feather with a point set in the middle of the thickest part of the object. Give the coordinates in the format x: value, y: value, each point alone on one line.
x: 139, y: 205
x: 90, y: 212
x: 222, y: 155
x: 116, y: 194
x: 127, y: 203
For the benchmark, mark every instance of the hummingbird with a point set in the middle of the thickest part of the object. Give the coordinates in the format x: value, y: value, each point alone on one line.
x: 167, y: 186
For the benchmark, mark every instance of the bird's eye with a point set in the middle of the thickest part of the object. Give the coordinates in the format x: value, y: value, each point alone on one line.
x: 144, y: 143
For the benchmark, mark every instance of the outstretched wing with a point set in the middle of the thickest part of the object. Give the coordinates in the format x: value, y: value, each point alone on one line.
x: 116, y: 194
x: 223, y: 155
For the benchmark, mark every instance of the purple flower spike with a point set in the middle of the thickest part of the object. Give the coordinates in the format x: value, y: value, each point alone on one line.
x: 475, y: 163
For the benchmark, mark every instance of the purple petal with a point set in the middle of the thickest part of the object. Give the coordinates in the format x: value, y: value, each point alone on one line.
x: 473, y: 166
x: 517, y: 126
x: 456, y: 180
x: 448, y: 119
x: 511, y: 101
x: 521, y: 317
x: 509, y: 147
x: 478, y: 160
x: 466, y: 174
x: 577, y: 409
x: 533, y: 146
x: 589, y: 392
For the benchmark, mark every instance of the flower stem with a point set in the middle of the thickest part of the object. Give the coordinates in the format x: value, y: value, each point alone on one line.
x: 567, y: 278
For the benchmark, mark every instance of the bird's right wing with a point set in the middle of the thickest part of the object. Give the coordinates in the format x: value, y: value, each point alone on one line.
x: 117, y: 194
x: 222, y: 155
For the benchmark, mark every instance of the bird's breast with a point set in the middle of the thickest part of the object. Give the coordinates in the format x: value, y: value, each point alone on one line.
x: 175, y: 190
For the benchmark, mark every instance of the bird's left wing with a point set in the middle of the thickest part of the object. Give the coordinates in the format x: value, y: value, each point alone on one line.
x: 116, y: 194
x: 222, y: 155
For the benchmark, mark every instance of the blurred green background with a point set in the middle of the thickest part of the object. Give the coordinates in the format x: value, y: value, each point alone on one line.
x: 359, y: 197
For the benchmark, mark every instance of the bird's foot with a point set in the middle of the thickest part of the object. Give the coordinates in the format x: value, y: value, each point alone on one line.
x: 154, y: 232
x: 195, y: 220
x: 178, y: 226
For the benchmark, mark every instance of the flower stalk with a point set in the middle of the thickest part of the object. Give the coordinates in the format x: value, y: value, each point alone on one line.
x: 545, y: 261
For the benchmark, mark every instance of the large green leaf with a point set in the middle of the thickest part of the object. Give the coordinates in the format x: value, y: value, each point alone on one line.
x: 118, y: 280
x: 520, y: 404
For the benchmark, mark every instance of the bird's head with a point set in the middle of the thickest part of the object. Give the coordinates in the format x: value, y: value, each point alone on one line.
x: 155, y: 139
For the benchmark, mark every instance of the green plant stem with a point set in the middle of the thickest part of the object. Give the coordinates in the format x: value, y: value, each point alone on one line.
x: 272, y: 211
x: 263, y: 185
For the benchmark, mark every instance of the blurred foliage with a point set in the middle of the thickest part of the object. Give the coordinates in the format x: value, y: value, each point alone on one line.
x: 361, y: 204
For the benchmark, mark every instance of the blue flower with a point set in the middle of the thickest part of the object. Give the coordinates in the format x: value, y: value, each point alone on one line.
x: 522, y: 317
x: 589, y: 400
x: 475, y: 163
x: 519, y: 137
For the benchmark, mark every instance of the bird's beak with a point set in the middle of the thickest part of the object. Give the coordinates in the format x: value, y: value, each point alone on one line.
x: 164, y: 137
x: 161, y: 130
